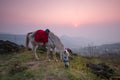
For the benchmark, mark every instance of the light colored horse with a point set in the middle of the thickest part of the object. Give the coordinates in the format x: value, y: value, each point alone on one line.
x: 53, y: 43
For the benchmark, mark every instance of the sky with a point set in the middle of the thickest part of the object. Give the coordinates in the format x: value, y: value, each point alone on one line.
x: 97, y: 20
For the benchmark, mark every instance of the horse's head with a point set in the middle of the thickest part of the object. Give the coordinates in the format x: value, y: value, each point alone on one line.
x: 65, y: 58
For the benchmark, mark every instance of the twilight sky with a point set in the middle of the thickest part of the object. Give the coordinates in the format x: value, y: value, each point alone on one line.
x: 97, y: 20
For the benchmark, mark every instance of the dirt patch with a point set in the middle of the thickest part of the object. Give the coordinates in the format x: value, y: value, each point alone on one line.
x: 33, y: 64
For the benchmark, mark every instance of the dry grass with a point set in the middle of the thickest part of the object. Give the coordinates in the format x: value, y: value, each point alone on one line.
x: 44, y: 70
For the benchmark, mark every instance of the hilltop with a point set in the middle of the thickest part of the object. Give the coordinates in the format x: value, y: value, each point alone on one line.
x: 23, y: 66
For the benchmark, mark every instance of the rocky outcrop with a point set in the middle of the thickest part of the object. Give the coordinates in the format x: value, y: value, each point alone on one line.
x: 9, y: 47
x: 101, y: 70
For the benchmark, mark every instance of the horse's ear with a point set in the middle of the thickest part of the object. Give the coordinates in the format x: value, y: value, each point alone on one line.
x: 47, y: 31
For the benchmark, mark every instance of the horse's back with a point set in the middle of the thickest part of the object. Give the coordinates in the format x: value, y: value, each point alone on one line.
x: 41, y: 36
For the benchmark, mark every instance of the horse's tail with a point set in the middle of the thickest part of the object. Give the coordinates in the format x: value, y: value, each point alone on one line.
x: 27, y: 39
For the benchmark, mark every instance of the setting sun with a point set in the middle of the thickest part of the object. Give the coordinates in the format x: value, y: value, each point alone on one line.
x: 86, y: 18
x: 76, y: 25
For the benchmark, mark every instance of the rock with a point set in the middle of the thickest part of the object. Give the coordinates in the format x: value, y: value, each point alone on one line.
x: 9, y: 47
x: 101, y: 70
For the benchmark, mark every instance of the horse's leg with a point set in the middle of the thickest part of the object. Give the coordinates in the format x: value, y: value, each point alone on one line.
x: 48, y: 52
x: 34, y: 50
x: 60, y: 55
x: 54, y: 55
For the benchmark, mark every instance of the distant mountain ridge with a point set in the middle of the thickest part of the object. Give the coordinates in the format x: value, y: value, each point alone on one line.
x: 102, y: 49
x: 19, y: 39
x: 74, y: 42
x: 114, y: 45
x: 70, y: 42
x: 109, y: 47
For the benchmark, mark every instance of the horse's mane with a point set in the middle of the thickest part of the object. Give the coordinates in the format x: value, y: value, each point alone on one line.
x: 56, y: 40
x: 53, y: 36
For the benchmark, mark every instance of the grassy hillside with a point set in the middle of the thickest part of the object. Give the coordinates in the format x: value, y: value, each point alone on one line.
x: 23, y: 66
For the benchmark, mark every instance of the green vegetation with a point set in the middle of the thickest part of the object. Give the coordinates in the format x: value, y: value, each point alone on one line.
x: 23, y: 66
